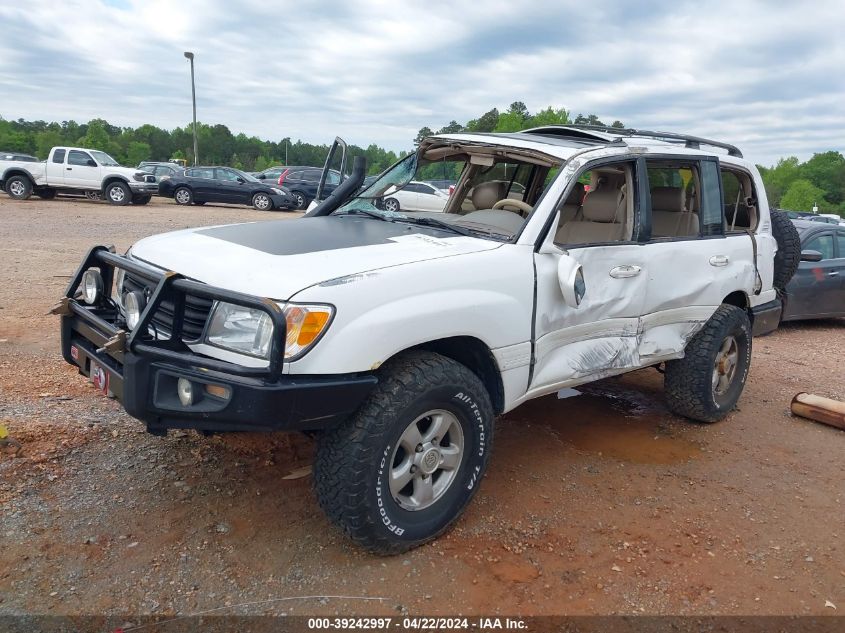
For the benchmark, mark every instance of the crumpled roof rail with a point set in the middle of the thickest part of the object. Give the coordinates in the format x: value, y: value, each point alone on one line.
x: 607, y: 133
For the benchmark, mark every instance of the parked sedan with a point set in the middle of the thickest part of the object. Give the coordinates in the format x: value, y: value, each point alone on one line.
x: 415, y: 196
x: 817, y: 291
x: 198, y: 185
x: 302, y: 181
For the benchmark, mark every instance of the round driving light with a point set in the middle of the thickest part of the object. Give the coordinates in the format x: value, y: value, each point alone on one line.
x: 133, y: 305
x: 186, y: 392
x: 92, y: 286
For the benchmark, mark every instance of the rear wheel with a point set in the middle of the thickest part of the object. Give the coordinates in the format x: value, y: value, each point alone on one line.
x: 118, y: 193
x: 404, y: 467
x: 707, y: 382
x: 19, y: 187
x: 262, y: 202
x: 183, y: 195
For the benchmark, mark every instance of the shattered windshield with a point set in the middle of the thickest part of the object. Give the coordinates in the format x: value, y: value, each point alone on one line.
x: 470, y: 189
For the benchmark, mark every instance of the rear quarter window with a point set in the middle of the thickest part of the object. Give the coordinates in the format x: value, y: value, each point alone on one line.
x: 59, y: 156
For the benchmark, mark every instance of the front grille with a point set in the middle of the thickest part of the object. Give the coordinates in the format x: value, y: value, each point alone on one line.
x: 197, y: 310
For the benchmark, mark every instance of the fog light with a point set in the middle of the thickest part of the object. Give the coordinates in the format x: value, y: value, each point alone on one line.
x: 92, y: 286
x: 133, y: 305
x: 186, y: 392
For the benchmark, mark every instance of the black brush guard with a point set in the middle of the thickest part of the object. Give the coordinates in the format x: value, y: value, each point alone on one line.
x: 143, y: 369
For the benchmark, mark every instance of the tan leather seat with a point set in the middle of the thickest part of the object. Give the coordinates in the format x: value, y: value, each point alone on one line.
x: 604, y: 219
x: 486, y: 194
x: 669, y: 216
x: 569, y: 209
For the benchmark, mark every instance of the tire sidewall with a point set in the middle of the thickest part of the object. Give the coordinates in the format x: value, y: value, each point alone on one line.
x: 255, y: 199
x: 397, y: 523
x: 740, y: 328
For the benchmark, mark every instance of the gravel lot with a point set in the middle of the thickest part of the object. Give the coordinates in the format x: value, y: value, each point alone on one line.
x: 599, y: 504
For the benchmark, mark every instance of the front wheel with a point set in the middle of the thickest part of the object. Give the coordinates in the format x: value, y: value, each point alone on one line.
x: 118, y: 193
x: 183, y: 196
x: 300, y: 199
x: 404, y: 467
x: 262, y: 202
x: 707, y: 382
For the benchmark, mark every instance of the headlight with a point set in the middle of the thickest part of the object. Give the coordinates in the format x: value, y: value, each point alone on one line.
x: 278, y: 192
x: 92, y: 286
x: 133, y: 306
x: 249, y: 331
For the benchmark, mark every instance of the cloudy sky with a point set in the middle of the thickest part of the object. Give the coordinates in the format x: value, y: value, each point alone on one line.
x: 767, y: 76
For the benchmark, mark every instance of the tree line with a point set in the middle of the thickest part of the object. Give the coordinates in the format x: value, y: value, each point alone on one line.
x: 790, y: 184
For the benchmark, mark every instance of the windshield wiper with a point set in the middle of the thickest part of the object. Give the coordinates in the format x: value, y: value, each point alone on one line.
x: 440, y: 224
x: 367, y: 212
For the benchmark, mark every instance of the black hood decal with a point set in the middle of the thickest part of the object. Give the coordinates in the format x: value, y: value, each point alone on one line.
x: 311, y: 235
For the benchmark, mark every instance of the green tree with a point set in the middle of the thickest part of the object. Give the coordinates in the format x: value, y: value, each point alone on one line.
x: 47, y: 140
x: 801, y: 196
x: 827, y: 172
x: 487, y: 122
x: 137, y: 151
x: 777, y: 179
x: 261, y: 164
x: 426, y: 131
x: 452, y: 128
x: 550, y: 116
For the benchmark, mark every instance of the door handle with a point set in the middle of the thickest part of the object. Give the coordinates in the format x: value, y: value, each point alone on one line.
x: 625, y: 271
x: 833, y: 273
x: 719, y: 260
x: 69, y: 168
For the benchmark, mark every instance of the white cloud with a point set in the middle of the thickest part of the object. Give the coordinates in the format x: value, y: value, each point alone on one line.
x: 765, y: 76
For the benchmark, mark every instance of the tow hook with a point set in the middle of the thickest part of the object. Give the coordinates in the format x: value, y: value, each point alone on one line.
x: 62, y: 308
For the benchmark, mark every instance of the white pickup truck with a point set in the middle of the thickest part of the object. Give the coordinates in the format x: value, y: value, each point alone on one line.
x: 79, y: 170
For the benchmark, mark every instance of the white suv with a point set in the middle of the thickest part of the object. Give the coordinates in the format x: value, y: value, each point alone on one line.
x: 563, y: 255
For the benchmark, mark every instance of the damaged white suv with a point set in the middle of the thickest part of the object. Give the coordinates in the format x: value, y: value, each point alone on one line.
x: 563, y: 255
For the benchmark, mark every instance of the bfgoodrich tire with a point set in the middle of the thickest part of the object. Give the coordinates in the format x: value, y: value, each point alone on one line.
x: 707, y: 382
x: 403, y: 468
x: 789, y: 249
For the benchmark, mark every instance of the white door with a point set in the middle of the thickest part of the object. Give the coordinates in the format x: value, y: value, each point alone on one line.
x: 430, y: 198
x: 82, y: 170
x: 55, y: 169
x: 599, y: 337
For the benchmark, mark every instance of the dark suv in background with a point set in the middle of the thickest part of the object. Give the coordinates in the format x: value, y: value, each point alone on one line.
x: 301, y: 180
x: 160, y: 169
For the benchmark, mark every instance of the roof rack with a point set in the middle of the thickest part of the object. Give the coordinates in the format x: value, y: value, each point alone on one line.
x: 692, y: 142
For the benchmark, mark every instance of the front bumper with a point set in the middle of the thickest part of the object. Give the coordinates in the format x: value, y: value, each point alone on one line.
x: 282, y: 201
x: 142, y: 373
x: 143, y: 187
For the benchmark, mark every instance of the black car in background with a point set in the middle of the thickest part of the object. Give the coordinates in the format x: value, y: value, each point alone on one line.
x: 198, y: 185
x: 817, y: 291
x: 301, y: 180
x: 160, y: 169
x: 24, y: 158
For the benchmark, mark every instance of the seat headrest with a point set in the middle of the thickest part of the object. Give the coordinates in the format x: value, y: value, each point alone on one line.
x: 601, y: 205
x: 576, y: 196
x: 667, y: 199
x: 486, y: 194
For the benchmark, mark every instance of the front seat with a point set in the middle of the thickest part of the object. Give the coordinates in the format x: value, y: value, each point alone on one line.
x: 604, y: 214
x: 569, y: 209
x: 486, y: 194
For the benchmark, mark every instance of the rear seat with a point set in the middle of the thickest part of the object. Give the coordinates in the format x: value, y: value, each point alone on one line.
x: 669, y: 216
x: 604, y: 214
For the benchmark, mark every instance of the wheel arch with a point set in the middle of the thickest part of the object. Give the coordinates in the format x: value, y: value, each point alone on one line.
x: 110, y: 179
x: 474, y: 354
x: 740, y: 299
x: 17, y: 171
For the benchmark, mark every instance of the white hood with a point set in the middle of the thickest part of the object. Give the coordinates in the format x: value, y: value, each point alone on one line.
x: 279, y: 258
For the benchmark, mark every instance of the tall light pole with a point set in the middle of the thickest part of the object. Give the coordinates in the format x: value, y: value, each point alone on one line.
x: 190, y: 57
